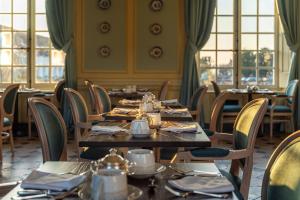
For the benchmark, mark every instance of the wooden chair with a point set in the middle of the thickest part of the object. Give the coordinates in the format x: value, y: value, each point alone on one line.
x: 83, y: 122
x: 241, y: 155
x: 282, y: 178
x: 102, y: 99
x: 89, y: 84
x: 55, y: 98
x: 162, y: 95
x: 51, y: 129
x: 196, y: 104
x: 283, y: 112
x: 7, y: 110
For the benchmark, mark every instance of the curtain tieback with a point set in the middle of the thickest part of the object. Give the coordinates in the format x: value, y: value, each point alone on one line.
x: 192, y: 46
x: 68, y: 45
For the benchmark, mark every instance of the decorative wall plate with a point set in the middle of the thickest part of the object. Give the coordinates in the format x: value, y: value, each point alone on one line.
x: 104, y: 27
x: 104, y: 4
x: 104, y: 51
x: 156, y: 52
x: 155, y: 29
x: 156, y: 5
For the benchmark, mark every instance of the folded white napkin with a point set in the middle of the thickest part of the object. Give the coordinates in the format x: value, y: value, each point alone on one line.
x: 175, y: 111
x: 203, y: 184
x: 49, y: 181
x: 107, y: 129
x: 170, y: 101
x: 125, y: 111
x: 126, y: 101
x: 181, y: 127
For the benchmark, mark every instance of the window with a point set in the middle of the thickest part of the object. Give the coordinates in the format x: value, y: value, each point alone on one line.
x: 241, y: 49
x: 26, y: 52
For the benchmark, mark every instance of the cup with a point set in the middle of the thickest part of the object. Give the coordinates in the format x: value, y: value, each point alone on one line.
x: 143, y: 159
x: 139, y: 127
x: 154, y: 119
x: 108, y: 184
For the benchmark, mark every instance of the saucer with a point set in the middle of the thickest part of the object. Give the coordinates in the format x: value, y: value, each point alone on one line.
x: 158, y: 169
x: 146, y: 135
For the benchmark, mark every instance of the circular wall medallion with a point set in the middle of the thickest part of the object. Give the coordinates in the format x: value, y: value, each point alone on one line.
x: 104, y: 51
x: 155, y: 29
x: 156, y: 52
x: 104, y: 27
x: 156, y: 5
x: 104, y: 4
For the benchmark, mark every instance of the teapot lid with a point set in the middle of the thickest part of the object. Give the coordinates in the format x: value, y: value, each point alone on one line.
x: 113, y: 158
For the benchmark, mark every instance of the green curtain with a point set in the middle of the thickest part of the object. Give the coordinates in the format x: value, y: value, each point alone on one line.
x: 199, y: 16
x: 60, y: 16
x: 290, y: 19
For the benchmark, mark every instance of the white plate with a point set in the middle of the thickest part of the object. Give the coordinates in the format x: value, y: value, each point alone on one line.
x: 158, y: 169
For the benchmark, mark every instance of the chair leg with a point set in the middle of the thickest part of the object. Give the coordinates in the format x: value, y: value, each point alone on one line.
x: 292, y: 124
x: 29, y: 125
x: 1, y: 147
x: 11, y: 139
x: 271, y: 128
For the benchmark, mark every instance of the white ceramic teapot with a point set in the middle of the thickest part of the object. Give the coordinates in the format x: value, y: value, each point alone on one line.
x: 140, y: 128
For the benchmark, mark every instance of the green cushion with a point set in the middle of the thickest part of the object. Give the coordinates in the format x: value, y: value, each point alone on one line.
x: 232, y: 108
x: 284, y: 182
x: 236, y: 182
x: 290, y: 90
x: 208, y: 132
x: 280, y: 108
x: 167, y: 153
x: 83, y: 115
x: 104, y: 99
x: 6, y: 122
x: 54, y: 130
x: 195, y: 98
x: 94, y: 153
x: 209, y: 152
x: 9, y: 100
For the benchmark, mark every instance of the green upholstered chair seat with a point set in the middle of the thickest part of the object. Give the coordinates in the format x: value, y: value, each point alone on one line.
x: 95, y: 122
x: 208, y: 132
x: 209, y: 152
x: 232, y: 108
x: 7, y: 122
x: 94, y: 153
x: 280, y: 108
x: 236, y: 182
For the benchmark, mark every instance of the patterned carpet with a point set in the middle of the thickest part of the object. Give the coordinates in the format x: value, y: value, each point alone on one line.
x: 28, y: 156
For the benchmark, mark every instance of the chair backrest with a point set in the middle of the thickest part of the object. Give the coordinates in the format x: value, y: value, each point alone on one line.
x: 102, y: 99
x: 9, y: 99
x: 196, y: 102
x: 291, y: 90
x: 89, y: 84
x: 51, y: 129
x: 59, y: 91
x: 216, y: 88
x: 282, y: 178
x: 162, y: 95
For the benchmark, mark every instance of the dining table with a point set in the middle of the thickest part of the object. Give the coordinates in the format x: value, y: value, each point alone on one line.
x: 121, y: 93
x: 153, y: 188
x: 251, y: 92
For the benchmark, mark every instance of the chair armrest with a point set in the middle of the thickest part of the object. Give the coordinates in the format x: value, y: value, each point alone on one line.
x: 223, y: 137
x: 84, y: 125
x: 95, y: 118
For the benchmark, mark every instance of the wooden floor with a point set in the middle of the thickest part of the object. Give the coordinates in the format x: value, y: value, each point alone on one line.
x: 28, y: 156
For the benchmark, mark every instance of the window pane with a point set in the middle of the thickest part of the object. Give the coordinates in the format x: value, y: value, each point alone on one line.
x: 41, y: 23
x: 266, y: 58
x: 42, y: 57
x: 20, y: 22
x: 42, y: 74
x: 225, y: 41
x: 42, y: 40
x: 5, y: 57
x: 248, y: 77
x: 207, y: 75
x: 225, y: 24
x: 19, y: 57
x: 5, y: 6
x: 225, y: 76
x: 266, y: 7
x: 249, y: 41
x: 207, y: 59
x: 225, y: 7
x: 248, y: 58
x: 266, y: 77
x: 225, y: 59
x: 211, y: 43
x: 20, y: 40
x: 57, y: 74
x: 266, y: 24
x: 266, y: 41
x: 20, y: 74
x: 249, y: 24
x: 40, y: 6
x: 5, y: 22
x: 5, y: 74
x: 5, y: 40
x: 249, y: 7
x: 20, y: 6
x: 57, y: 57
